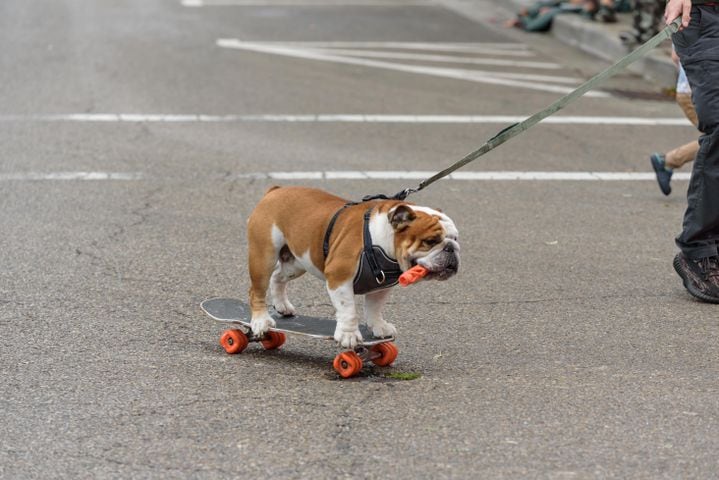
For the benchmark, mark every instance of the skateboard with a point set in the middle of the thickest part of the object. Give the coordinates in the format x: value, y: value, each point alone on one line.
x: 380, y: 351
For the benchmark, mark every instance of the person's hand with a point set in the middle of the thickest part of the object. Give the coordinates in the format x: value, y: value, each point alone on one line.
x: 678, y: 7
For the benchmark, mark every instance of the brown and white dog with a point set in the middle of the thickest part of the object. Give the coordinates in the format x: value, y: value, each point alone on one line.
x: 294, y: 230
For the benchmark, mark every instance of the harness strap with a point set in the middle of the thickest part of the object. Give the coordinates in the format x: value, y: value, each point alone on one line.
x: 377, y: 272
x: 376, y: 268
x: 328, y: 232
x: 367, y: 198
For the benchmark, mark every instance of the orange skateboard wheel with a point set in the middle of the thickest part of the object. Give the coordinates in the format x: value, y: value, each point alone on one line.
x: 388, y: 353
x: 273, y: 340
x: 347, y: 364
x: 233, y: 341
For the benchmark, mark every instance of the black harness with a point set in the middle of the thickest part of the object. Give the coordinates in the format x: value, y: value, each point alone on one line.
x: 377, y: 270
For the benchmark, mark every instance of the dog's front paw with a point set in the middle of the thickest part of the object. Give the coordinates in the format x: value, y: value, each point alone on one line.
x: 384, y: 329
x: 348, y: 339
x: 261, y: 324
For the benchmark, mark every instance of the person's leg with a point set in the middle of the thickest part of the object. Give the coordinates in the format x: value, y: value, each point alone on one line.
x: 623, y: 6
x: 700, y: 58
x: 664, y: 164
x: 681, y: 155
x: 698, y: 262
x: 542, y: 22
x: 700, y: 232
x: 644, y: 21
x: 686, y: 153
x: 606, y: 12
x: 527, y: 13
x: 684, y: 100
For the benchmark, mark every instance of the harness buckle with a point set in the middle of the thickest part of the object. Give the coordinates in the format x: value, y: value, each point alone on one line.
x: 380, y: 276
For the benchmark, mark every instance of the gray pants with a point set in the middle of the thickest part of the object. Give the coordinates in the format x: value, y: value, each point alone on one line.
x: 698, y: 49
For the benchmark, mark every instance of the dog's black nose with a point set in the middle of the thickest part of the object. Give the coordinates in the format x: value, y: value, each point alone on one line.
x: 449, y: 248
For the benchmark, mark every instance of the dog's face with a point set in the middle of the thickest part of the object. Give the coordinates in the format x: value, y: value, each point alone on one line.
x: 427, y: 237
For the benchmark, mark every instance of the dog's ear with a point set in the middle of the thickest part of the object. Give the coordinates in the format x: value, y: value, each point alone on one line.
x: 401, y: 216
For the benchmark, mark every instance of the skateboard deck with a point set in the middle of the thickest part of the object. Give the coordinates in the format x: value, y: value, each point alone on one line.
x: 380, y: 351
x: 230, y: 310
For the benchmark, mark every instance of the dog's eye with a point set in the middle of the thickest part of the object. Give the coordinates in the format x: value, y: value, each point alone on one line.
x: 431, y: 242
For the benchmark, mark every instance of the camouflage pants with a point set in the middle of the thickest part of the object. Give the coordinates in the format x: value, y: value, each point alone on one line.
x: 648, y: 16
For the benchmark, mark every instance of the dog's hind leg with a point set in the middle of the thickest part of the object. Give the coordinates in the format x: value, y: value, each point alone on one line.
x: 287, y: 269
x: 262, y: 256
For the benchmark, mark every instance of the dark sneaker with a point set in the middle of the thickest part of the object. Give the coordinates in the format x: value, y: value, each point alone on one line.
x: 664, y: 174
x: 701, y: 277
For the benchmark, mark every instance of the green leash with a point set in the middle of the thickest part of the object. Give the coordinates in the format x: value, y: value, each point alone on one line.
x: 528, y: 123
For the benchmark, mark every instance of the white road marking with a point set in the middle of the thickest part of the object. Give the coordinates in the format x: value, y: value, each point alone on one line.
x: 496, y: 49
x: 306, y: 3
x: 488, y: 77
x: 37, y: 176
x: 471, y: 176
x: 446, y: 59
x: 341, y: 118
x: 366, y: 175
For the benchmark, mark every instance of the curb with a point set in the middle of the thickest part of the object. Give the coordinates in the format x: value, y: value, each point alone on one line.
x: 602, y: 41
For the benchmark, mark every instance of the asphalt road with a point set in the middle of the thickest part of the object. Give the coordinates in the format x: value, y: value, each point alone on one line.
x: 565, y: 348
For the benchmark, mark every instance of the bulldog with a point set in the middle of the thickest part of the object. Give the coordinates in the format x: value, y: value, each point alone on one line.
x: 356, y: 248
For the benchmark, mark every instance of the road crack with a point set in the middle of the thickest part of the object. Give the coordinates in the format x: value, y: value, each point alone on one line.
x: 107, y: 264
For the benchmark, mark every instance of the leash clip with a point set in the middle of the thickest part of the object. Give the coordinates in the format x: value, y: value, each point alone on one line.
x: 405, y: 193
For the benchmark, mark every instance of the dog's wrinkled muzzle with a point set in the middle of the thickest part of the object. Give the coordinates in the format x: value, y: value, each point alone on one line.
x: 443, y: 264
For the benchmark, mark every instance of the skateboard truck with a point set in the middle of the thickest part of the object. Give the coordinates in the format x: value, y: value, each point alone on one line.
x: 235, y: 340
x: 381, y: 354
